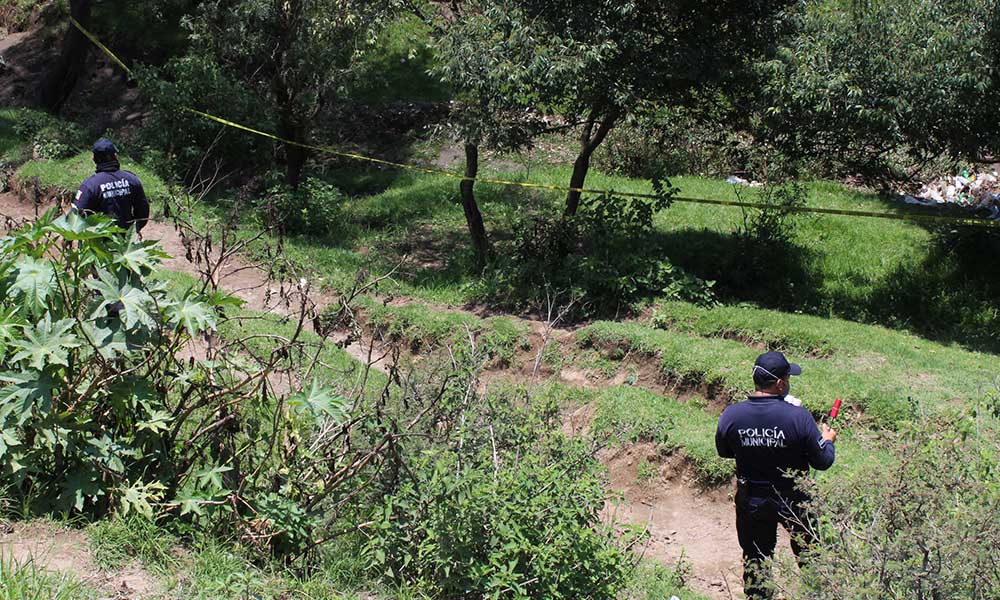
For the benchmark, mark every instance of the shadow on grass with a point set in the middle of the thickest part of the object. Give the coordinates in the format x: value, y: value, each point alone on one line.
x: 951, y: 296
x: 775, y: 277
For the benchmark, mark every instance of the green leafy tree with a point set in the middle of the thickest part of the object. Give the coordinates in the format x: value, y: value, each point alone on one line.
x: 493, y: 65
x: 865, y: 84
x: 297, y: 55
x: 632, y: 55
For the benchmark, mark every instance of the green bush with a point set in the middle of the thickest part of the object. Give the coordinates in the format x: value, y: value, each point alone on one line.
x: 591, y: 258
x: 50, y: 137
x: 655, y: 581
x: 504, y: 513
x: 315, y: 208
x: 174, y: 139
x: 101, y: 412
x: 923, y: 526
x: 674, y: 141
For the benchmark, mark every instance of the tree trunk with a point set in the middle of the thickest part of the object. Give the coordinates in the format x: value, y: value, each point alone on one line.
x: 589, y: 141
x: 290, y: 128
x: 473, y: 217
x: 62, y: 77
x: 293, y: 125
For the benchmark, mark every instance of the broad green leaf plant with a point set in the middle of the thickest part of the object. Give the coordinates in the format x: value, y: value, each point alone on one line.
x: 106, y: 403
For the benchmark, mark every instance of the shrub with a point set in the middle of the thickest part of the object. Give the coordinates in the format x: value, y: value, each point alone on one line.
x: 674, y: 141
x: 100, y: 411
x: 49, y: 137
x: 922, y: 527
x: 315, y: 208
x: 591, y: 258
x: 504, y: 513
x: 174, y: 140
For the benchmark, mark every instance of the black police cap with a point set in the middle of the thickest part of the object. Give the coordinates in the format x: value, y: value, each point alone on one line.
x: 772, y: 366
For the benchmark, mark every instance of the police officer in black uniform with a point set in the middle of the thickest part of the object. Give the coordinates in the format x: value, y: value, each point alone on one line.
x: 112, y: 190
x: 773, y: 441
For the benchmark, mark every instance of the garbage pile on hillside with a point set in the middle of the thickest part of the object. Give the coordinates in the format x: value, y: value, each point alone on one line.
x: 978, y: 193
x: 737, y: 180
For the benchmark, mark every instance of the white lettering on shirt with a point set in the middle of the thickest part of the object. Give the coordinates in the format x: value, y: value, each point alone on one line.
x: 115, y: 189
x: 763, y: 437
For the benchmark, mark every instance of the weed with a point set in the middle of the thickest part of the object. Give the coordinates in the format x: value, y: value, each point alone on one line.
x: 655, y: 581
x: 116, y: 541
x: 646, y: 471
x: 29, y: 581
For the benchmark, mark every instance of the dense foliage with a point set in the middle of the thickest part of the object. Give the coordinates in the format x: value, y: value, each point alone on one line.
x: 881, y: 85
x: 88, y: 361
x: 587, y: 260
x: 510, y: 510
x: 101, y: 409
x: 922, y: 528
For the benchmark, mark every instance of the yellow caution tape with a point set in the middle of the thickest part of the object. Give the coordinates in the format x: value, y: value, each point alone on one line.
x: 98, y: 43
x: 940, y: 219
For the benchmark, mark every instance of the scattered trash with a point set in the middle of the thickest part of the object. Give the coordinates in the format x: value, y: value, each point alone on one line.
x: 976, y: 192
x: 734, y: 180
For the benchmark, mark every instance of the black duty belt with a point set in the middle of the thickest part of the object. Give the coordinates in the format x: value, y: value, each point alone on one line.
x: 765, y: 487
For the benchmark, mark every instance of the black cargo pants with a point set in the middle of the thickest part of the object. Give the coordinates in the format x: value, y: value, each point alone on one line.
x: 759, y: 510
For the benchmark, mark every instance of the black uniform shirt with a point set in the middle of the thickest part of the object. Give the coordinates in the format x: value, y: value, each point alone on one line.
x: 772, y: 441
x: 116, y: 193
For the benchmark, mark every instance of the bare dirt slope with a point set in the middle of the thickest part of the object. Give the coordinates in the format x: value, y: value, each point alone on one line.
x: 683, y: 519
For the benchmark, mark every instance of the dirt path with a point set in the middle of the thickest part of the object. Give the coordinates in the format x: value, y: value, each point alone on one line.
x: 683, y: 519
x: 62, y: 550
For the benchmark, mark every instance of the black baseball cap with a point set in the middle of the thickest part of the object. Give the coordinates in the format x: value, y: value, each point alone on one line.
x: 772, y: 366
x: 104, y: 146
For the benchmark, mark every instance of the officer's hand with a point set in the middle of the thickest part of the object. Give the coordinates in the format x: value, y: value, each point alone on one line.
x: 829, y: 435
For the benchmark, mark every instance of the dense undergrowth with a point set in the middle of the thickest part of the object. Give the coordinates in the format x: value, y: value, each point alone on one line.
x: 436, y: 488
x: 219, y: 445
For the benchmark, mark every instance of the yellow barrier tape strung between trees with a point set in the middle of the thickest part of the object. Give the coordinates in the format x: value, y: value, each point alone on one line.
x: 940, y: 219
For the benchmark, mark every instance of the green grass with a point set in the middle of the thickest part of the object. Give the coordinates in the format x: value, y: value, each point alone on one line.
x: 397, y: 67
x: 117, y: 541
x: 654, y: 581
x: 29, y: 581
x: 633, y: 414
x: 896, y: 273
x: 930, y: 370
x: 65, y: 175
x: 12, y: 146
x: 879, y: 383
x: 423, y: 327
x: 215, y: 569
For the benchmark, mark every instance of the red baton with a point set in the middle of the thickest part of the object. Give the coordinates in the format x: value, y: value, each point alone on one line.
x: 836, y: 409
